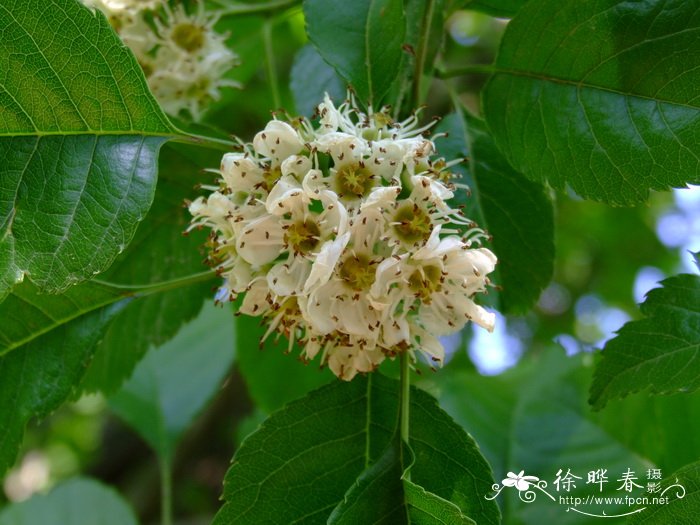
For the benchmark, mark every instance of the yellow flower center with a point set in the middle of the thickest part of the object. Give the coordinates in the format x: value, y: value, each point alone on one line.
x: 353, y: 180
x: 358, y: 272
x: 270, y: 178
x: 303, y: 236
x: 414, y: 224
x: 425, y: 281
x: 200, y: 89
x: 189, y: 37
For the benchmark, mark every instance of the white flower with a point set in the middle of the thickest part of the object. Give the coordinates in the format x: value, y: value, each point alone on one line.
x: 241, y: 172
x: 343, y: 239
x: 135, y: 6
x: 277, y: 141
x: 184, y: 59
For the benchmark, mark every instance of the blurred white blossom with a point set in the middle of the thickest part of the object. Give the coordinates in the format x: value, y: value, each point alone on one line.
x: 183, y: 58
x: 342, y: 237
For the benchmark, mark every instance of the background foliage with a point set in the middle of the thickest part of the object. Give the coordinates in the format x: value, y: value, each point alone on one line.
x: 134, y: 378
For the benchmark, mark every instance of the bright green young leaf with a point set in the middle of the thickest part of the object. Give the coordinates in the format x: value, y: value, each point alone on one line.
x: 517, y: 212
x: 535, y: 418
x: 172, y: 383
x: 158, y: 253
x: 304, y: 458
x: 600, y: 95
x: 79, y: 141
x: 79, y: 501
x: 361, y: 39
x: 37, y: 377
x: 499, y: 8
x: 273, y: 376
x: 657, y: 353
x: 683, y: 507
x: 311, y: 77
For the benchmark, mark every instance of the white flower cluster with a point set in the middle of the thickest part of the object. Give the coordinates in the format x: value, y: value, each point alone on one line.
x: 182, y: 57
x: 342, y: 238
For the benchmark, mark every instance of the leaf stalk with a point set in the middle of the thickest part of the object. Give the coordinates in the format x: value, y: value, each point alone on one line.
x: 422, y: 53
x: 249, y: 9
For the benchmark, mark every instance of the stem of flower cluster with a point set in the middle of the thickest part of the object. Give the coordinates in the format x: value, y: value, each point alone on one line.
x: 140, y: 290
x: 422, y: 52
x: 206, y: 142
x: 166, y: 491
x: 405, y: 399
x: 479, y: 69
x: 271, y: 64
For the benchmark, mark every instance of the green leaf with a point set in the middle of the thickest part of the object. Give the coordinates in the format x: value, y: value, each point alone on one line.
x: 499, y: 8
x: 311, y: 77
x: 28, y: 315
x: 39, y: 376
x: 657, y: 353
x: 274, y: 378
x: 663, y: 429
x: 361, y: 39
x: 600, y: 95
x: 384, y: 494
x: 517, y: 212
x: 158, y: 253
x: 377, y: 496
x: 79, y: 141
x: 79, y: 501
x: 423, y: 42
x: 419, y: 34
x: 683, y: 506
x: 301, y: 462
x: 425, y: 508
x: 172, y: 383
x: 535, y: 418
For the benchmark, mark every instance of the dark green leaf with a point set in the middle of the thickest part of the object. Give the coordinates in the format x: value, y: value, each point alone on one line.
x: 683, y: 505
x: 600, y: 95
x: 311, y: 78
x: 535, y: 418
x: 300, y: 463
x: 361, y: 39
x: 273, y: 377
x: 79, y: 501
x: 26, y: 314
x: 39, y: 376
x: 657, y: 353
x: 384, y: 494
x: 79, y: 141
x: 500, y: 8
x: 515, y: 211
x: 424, y: 40
x: 158, y: 253
x: 377, y: 496
x: 425, y: 508
x: 172, y: 383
